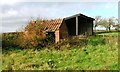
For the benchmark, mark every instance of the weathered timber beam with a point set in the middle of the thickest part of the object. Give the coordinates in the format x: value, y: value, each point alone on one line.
x: 76, y: 25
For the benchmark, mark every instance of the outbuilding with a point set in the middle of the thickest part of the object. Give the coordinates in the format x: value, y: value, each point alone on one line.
x: 75, y: 25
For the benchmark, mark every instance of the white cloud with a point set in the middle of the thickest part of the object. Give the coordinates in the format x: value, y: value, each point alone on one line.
x: 16, y: 14
x: 71, y: 0
x: 9, y: 13
x: 11, y: 2
x: 12, y: 12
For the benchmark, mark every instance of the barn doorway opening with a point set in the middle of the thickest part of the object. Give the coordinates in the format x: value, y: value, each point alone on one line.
x: 50, y: 37
x: 79, y: 25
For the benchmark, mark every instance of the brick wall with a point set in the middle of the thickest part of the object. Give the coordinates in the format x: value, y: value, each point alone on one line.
x: 57, y: 36
x: 63, y: 31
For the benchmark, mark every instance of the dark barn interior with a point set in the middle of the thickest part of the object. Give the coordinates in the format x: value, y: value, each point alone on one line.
x: 85, y: 25
x: 50, y: 36
x: 71, y: 25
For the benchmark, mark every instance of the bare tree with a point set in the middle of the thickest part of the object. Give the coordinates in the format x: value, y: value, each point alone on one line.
x: 111, y: 22
x: 117, y: 25
x: 104, y: 23
x: 97, y: 21
x: 107, y: 23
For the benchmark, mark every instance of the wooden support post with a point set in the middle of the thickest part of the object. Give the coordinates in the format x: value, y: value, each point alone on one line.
x: 76, y: 25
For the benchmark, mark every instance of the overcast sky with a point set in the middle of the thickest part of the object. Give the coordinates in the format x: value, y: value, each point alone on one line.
x: 16, y: 14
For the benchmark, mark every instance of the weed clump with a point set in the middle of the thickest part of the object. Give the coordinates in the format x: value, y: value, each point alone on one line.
x: 96, y: 41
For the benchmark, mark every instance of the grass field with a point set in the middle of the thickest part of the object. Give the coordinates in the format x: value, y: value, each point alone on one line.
x: 111, y: 33
x: 88, y: 57
x: 0, y: 58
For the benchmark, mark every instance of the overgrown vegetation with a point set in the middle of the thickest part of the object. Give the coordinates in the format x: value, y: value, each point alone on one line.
x: 97, y: 41
x: 101, y: 53
x: 10, y: 39
x: 33, y: 50
x: 33, y: 37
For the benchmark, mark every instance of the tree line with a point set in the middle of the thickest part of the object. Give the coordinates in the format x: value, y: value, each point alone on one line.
x: 107, y: 23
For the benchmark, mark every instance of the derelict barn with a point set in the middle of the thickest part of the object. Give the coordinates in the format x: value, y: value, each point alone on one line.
x: 78, y: 24
x: 57, y: 28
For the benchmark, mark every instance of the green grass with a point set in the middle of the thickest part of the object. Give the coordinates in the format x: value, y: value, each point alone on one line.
x: 89, y: 57
x: 111, y: 33
x: 0, y: 51
x: 0, y: 58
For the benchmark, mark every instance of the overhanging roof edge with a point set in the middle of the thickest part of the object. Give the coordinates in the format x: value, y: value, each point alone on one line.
x: 78, y: 15
x: 72, y: 16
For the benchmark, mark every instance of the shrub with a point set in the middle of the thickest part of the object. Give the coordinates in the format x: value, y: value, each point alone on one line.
x: 33, y: 37
x: 0, y: 40
x: 9, y: 39
x: 96, y: 40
